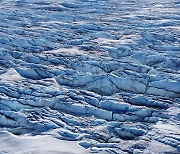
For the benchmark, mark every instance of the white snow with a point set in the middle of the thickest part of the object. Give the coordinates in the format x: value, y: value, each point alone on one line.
x: 12, y: 144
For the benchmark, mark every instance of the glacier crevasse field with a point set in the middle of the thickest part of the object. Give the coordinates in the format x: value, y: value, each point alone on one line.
x: 89, y: 76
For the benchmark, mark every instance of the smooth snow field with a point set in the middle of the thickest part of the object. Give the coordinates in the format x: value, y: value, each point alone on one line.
x: 89, y: 76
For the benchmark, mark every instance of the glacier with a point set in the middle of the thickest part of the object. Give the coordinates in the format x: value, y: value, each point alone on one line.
x: 89, y: 76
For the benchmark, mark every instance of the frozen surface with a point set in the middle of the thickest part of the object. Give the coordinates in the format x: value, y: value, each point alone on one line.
x: 38, y: 144
x: 99, y: 76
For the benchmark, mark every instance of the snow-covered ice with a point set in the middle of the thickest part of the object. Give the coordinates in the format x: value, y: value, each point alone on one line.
x: 89, y: 76
x: 38, y: 144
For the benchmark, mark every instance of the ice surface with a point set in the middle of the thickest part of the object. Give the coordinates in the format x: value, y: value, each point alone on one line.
x: 38, y: 144
x: 89, y: 76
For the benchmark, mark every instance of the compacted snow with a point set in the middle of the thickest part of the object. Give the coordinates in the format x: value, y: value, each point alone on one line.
x: 89, y: 76
x: 37, y: 145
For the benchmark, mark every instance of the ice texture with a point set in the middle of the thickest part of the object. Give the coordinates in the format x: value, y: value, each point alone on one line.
x: 89, y: 76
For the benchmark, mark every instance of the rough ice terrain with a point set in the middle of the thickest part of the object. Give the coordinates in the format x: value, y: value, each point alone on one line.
x: 89, y: 76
